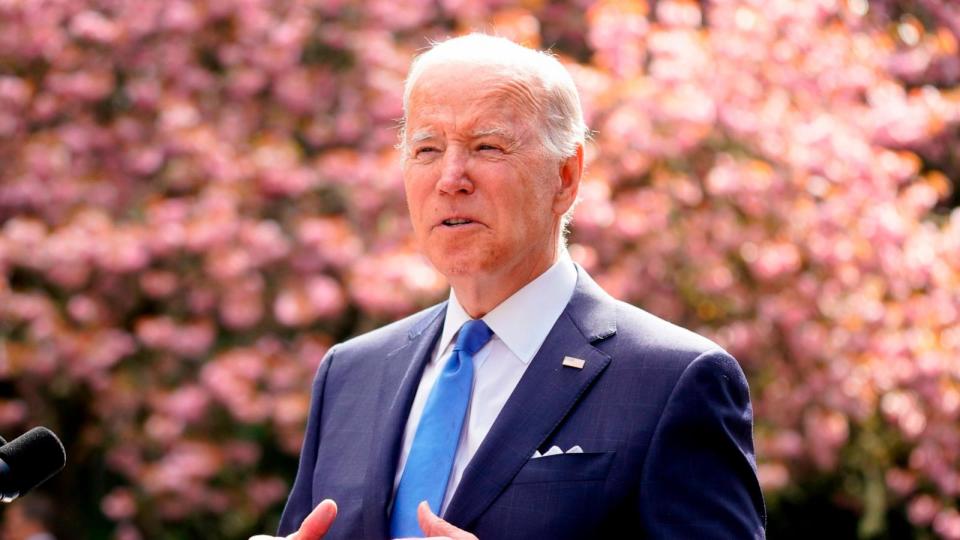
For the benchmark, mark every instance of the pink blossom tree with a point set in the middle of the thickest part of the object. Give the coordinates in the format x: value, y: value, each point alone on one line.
x: 198, y: 198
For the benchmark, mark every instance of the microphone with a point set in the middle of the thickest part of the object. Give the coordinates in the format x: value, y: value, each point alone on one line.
x: 28, y: 461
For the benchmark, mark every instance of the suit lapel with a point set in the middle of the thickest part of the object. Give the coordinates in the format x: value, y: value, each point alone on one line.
x: 401, y: 376
x: 545, y: 394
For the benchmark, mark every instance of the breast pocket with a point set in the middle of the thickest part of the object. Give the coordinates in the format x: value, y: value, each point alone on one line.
x: 582, y: 467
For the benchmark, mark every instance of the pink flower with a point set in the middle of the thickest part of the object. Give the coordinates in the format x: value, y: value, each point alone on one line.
x: 773, y: 476
x: 12, y: 412
x: 827, y: 431
x: 678, y: 13
x: 127, y: 531
x: 15, y: 93
x: 225, y: 263
x: 93, y: 26
x: 242, y: 303
x: 86, y: 309
x: 155, y: 332
x: 123, y: 251
x: 87, y: 85
x: 182, y: 16
x: 291, y: 410
x: 158, y: 283
x: 775, y: 260
x: 233, y: 378
x: 947, y: 524
x: 242, y: 453
x: 304, y: 91
x: 105, y: 349
x: 119, y: 504
x: 188, y: 403
x: 617, y: 30
x: 329, y: 240
x: 386, y: 284
x: 922, y: 509
x: 292, y: 307
x: 163, y: 428
x: 191, y: 339
x: 325, y: 295
x: 264, y: 492
x: 642, y: 211
x: 900, y: 481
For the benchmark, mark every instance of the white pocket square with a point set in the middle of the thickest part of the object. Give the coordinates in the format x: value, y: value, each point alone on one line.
x: 555, y: 450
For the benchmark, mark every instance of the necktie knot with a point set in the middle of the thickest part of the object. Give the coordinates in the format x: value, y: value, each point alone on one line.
x: 473, y: 336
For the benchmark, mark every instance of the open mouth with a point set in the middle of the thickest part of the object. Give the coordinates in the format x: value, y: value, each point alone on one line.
x: 454, y: 222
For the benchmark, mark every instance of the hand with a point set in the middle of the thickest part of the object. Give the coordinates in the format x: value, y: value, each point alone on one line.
x: 314, y: 527
x: 436, y: 528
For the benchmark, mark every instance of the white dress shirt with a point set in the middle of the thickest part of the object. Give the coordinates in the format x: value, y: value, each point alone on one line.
x: 520, y: 325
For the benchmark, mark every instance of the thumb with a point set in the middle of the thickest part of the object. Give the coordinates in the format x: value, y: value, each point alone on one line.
x: 434, y: 525
x: 316, y: 525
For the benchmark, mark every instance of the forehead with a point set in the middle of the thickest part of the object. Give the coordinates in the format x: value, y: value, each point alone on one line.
x: 471, y: 97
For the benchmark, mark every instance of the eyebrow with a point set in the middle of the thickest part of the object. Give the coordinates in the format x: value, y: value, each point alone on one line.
x: 492, y: 131
x: 426, y: 134
x: 422, y: 135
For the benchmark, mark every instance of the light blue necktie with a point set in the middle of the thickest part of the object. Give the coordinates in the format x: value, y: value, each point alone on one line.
x: 430, y: 461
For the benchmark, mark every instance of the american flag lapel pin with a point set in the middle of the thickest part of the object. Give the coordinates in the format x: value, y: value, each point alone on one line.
x: 570, y: 361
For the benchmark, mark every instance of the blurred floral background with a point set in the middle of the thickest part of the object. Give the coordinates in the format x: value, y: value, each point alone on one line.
x: 198, y: 198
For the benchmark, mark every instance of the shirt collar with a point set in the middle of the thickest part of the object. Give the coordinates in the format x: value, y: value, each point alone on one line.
x: 523, y: 320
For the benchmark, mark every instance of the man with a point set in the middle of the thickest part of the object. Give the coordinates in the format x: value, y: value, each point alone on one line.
x: 576, y: 415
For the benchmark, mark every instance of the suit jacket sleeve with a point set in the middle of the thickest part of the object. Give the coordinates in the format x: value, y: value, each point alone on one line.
x: 700, y: 477
x: 300, y: 500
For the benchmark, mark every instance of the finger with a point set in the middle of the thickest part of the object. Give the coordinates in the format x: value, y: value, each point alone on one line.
x: 434, y: 525
x: 318, y: 522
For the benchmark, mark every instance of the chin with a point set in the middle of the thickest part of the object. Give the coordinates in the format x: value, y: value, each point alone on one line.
x: 455, y: 268
x: 463, y: 264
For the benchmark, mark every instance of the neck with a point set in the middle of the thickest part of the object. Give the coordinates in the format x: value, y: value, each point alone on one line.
x: 479, y: 295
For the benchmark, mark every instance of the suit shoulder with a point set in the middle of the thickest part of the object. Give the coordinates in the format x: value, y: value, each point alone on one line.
x: 641, y: 330
x: 653, y: 349
x: 393, y: 335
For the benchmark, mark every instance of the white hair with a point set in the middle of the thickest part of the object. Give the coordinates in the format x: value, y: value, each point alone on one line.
x: 563, y: 129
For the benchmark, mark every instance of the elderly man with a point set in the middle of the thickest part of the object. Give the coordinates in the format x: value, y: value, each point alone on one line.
x: 531, y: 404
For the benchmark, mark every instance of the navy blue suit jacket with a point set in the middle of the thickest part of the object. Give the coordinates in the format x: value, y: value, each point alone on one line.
x: 663, y: 417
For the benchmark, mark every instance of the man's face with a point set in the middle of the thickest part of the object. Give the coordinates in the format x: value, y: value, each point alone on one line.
x: 481, y: 189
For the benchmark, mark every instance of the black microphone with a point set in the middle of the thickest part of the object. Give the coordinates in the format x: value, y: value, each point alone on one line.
x: 28, y: 461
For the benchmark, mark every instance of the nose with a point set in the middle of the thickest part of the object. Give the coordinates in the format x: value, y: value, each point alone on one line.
x: 453, y: 175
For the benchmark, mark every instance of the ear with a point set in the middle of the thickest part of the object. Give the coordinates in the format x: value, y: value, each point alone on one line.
x: 571, y: 169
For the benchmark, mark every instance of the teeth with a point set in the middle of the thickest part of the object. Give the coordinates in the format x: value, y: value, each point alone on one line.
x: 455, y: 221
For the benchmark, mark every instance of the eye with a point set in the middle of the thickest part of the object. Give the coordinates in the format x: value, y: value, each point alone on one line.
x: 488, y: 147
x: 418, y: 152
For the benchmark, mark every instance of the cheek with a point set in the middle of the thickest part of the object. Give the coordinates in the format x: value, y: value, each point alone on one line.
x: 416, y: 193
x: 537, y: 215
